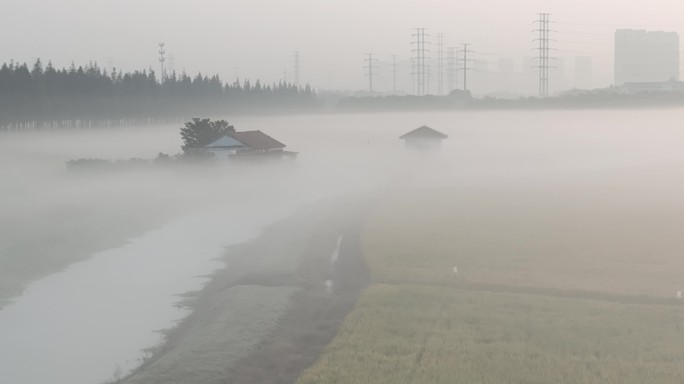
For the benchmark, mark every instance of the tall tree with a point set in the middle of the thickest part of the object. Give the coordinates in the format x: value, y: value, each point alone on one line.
x: 44, y: 93
x: 200, y: 132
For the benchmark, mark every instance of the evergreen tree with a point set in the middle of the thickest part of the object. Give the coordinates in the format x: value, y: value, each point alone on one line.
x: 45, y: 93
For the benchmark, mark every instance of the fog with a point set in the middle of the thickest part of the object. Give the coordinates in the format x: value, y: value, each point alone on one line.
x: 124, y: 34
x: 166, y: 226
x: 92, y: 263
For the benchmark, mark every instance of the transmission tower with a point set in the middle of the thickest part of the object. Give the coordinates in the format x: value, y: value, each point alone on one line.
x: 452, y: 69
x: 370, y: 68
x: 394, y: 74
x: 162, y: 59
x: 440, y: 63
x: 296, y: 69
x: 544, y: 49
x: 465, y: 67
x: 420, y: 70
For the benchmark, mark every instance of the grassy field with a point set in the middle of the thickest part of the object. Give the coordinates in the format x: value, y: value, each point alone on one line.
x: 557, y: 239
x: 585, y: 292
x: 419, y: 334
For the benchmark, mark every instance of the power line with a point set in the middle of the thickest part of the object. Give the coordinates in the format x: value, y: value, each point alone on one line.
x: 626, y: 26
x: 162, y: 59
x: 370, y: 68
x: 544, y: 48
x: 394, y: 74
x: 586, y: 33
x: 480, y: 53
x: 611, y: 54
x: 296, y: 68
x: 420, y: 65
x: 440, y: 63
x: 465, y: 51
x: 452, y: 69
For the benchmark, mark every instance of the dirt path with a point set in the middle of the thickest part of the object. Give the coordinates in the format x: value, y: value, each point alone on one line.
x: 268, y: 315
x: 313, y: 318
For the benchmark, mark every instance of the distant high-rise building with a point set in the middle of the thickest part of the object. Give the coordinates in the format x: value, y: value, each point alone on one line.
x: 506, y: 65
x: 481, y: 66
x: 529, y: 65
x: 646, y: 56
x: 530, y: 79
x: 584, y: 77
x: 481, y: 77
x: 505, y: 74
x: 558, y: 73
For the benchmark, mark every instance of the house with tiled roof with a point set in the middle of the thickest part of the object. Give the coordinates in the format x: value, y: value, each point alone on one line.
x: 249, y: 144
x: 424, y: 138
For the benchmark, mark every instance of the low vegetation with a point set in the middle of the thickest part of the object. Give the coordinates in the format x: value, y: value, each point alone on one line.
x: 547, y: 239
x: 95, y: 164
x: 195, y: 134
x: 219, y: 337
x: 411, y: 334
x: 448, y: 305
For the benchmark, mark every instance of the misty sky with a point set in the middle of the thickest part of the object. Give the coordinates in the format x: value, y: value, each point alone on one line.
x: 256, y: 38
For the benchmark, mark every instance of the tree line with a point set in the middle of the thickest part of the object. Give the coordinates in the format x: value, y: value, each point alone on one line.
x: 45, y: 93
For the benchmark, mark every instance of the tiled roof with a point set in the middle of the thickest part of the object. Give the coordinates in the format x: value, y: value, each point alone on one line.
x: 424, y: 132
x: 258, y: 140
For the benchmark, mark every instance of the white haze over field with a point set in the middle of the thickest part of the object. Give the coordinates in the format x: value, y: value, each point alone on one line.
x: 178, y: 218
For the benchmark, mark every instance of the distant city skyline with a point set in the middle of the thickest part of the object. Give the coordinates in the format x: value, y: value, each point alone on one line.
x: 257, y: 39
x: 646, y: 56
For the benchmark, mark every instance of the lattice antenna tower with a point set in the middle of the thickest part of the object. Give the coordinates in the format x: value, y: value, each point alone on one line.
x: 451, y: 69
x: 371, y: 70
x: 170, y: 65
x: 296, y: 68
x: 162, y: 59
x: 394, y: 74
x: 420, y: 67
x: 440, y: 63
x: 465, y: 64
x: 543, y: 48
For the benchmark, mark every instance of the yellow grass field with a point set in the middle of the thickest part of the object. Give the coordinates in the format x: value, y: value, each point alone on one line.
x: 550, y: 288
x: 546, y: 239
x: 419, y: 334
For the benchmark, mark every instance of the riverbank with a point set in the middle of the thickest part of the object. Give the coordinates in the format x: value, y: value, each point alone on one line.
x: 269, y: 314
x: 41, y: 243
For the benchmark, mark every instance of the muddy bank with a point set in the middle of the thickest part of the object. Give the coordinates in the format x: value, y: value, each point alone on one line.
x: 43, y: 238
x: 279, y: 301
